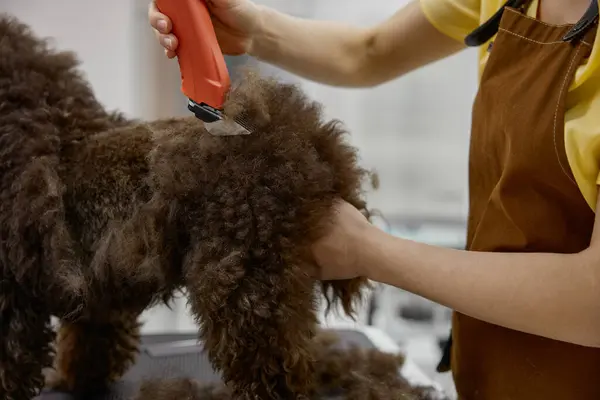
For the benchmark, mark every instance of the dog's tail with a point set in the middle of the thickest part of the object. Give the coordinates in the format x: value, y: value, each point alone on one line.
x: 44, y: 103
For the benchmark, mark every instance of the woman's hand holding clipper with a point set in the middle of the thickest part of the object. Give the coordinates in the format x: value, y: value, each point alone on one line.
x: 235, y: 23
x: 326, y: 52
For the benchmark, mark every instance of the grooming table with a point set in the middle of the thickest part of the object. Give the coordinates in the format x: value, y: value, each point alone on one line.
x: 180, y: 355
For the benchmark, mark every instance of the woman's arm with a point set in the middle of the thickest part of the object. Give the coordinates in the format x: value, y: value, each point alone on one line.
x: 342, y: 55
x: 551, y: 295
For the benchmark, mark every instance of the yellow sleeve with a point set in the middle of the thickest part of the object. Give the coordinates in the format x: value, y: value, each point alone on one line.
x: 454, y: 18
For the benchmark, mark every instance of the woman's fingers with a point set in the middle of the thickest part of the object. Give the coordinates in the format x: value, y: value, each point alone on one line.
x: 170, y: 53
x: 161, y: 25
x: 169, y: 42
x: 158, y: 21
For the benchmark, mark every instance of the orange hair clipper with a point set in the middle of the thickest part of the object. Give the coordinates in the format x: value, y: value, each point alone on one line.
x: 205, y: 80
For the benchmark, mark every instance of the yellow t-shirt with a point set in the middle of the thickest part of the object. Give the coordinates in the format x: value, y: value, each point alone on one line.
x: 457, y: 18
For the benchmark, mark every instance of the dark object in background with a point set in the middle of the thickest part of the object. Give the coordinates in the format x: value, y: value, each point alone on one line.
x: 372, y: 307
x: 416, y: 312
x: 445, y: 362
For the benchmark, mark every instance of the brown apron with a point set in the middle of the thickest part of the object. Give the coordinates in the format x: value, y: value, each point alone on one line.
x: 523, y: 198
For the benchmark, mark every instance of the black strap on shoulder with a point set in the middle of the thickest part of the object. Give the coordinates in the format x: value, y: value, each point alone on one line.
x: 580, y: 28
x: 489, y: 28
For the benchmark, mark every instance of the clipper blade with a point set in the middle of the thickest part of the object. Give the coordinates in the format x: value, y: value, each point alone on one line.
x: 224, y: 127
x: 216, y: 124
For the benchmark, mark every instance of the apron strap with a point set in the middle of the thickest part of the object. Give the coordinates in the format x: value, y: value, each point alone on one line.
x: 589, y: 18
x: 489, y: 28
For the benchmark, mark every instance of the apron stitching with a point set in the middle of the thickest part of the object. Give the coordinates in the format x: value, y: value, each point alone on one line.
x: 539, y: 21
x: 535, y: 41
x: 560, y: 96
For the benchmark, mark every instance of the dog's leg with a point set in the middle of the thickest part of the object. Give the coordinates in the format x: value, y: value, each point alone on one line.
x: 257, y: 330
x: 25, y: 344
x: 92, y: 354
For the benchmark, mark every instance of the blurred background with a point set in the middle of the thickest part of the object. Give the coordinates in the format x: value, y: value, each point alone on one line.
x: 413, y: 131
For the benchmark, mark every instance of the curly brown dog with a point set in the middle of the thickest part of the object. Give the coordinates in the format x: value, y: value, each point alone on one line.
x: 102, y: 218
x: 349, y: 374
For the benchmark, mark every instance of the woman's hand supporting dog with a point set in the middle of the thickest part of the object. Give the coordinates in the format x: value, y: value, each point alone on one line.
x: 322, y: 51
x: 521, y: 291
x: 336, y: 254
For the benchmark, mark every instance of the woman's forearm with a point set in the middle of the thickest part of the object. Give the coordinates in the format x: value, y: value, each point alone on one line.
x: 551, y: 295
x: 322, y: 51
x: 344, y: 55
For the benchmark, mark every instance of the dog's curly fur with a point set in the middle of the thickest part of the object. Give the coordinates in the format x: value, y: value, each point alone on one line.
x: 351, y: 374
x: 102, y: 217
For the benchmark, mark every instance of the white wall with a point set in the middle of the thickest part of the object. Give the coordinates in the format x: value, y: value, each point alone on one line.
x: 113, y: 40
